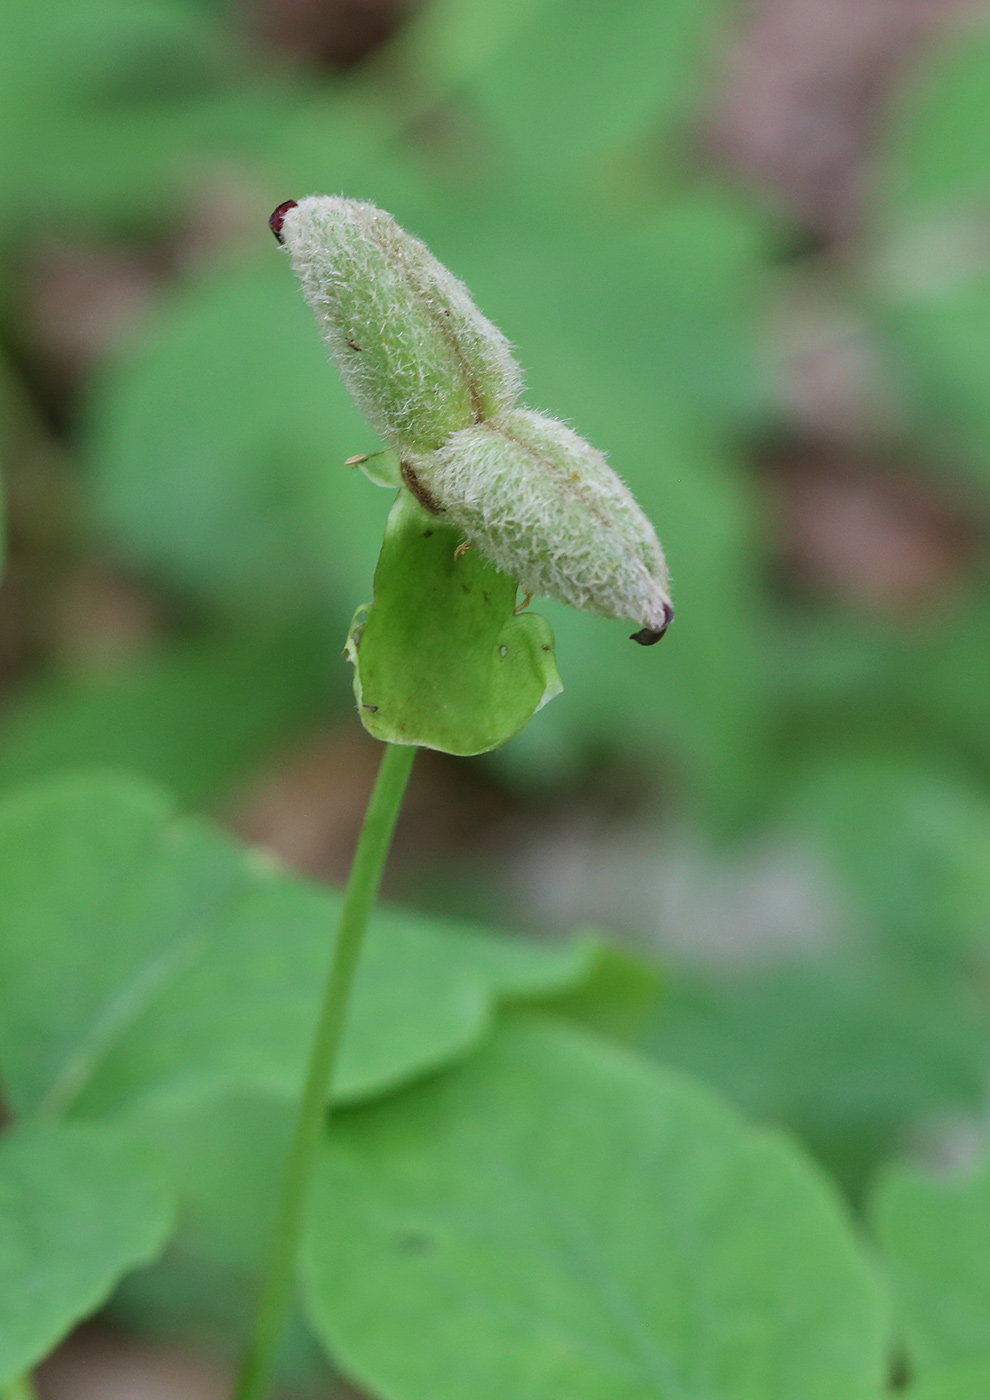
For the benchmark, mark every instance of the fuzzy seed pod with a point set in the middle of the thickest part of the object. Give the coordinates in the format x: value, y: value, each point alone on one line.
x: 545, y: 507
x: 417, y: 355
x: 437, y: 381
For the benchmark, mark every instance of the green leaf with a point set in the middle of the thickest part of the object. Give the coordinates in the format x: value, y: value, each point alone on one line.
x: 931, y: 282
x: 3, y: 523
x: 145, y: 957
x: 619, y: 998
x: 338, y: 140
x: 970, y: 1381
x: 851, y: 1054
x: 445, y: 43
x: 440, y: 658
x: 938, y: 331
x: 225, y: 1159
x: 218, y: 451
x: 111, y: 110
x: 558, y: 1219
x: 225, y: 1156
x: 934, y: 1233
x: 935, y: 153
x: 192, y: 716
x: 582, y: 80
x: 910, y: 842
x: 80, y: 1205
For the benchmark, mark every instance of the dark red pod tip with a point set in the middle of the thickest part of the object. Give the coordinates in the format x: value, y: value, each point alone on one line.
x: 278, y: 217
x: 649, y: 637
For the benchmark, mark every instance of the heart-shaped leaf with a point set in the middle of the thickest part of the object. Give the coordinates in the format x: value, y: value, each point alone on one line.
x: 145, y: 957
x: 559, y: 1219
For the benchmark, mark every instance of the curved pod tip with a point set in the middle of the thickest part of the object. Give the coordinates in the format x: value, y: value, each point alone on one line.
x: 278, y: 217
x: 649, y: 636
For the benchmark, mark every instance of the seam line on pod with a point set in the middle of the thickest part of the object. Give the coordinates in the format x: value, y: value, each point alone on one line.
x: 417, y: 488
x: 564, y: 478
x: 442, y: 322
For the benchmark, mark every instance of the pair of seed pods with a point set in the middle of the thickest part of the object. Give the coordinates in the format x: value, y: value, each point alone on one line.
x: 438, y: 382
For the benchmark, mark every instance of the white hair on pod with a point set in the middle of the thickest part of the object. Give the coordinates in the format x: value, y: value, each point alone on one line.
x: 415, y: 352
x: 543, y: 505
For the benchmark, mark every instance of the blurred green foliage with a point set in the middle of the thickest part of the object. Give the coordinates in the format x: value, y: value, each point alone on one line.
x: 549, y: 153
x: 472, y: 1205
x: 82, y: 1204
x: 934, y: 1237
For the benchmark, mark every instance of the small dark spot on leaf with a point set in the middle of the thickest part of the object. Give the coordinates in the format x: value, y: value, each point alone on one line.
x: 545, y: 646
x: 351, y: 345
x: 372, y: 708
x: 413, y: 1242
x: 466, y: 587
x: 427, y: 534
x: 484, y: 594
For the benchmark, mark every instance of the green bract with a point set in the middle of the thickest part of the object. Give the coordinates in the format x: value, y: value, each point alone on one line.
x: 440, y: 658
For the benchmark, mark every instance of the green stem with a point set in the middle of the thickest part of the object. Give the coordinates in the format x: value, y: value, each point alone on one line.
x: 362, y: 887
x: 21, y: 1389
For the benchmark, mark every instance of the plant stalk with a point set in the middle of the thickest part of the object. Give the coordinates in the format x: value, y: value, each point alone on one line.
x: 362, y: 888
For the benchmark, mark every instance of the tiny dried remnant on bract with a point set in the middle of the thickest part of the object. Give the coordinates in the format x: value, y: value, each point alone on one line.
x: 437, y: 381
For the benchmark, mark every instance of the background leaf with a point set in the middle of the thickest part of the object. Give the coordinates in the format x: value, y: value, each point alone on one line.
x: 218, y: 451
x: 225, y: 1159
x: 80, y: 1205
x: 854, y: 1055
x: 580, y: 82
x: 497, y: 1210
x: 113, y: 106
x: 146, y: 957
x: 192, y: 716
x: 966, y: 1382
x: 935, y: 1236
x: 932, y: 278
x: 933, y: 152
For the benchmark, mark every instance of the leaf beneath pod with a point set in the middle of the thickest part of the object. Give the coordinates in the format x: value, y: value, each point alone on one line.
x: 145, y: 959
x: 969, y: 1381
x: 934, y: 1236
x: 440, y: 658
x: 80, y: 1205
x: 557, y: 1219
